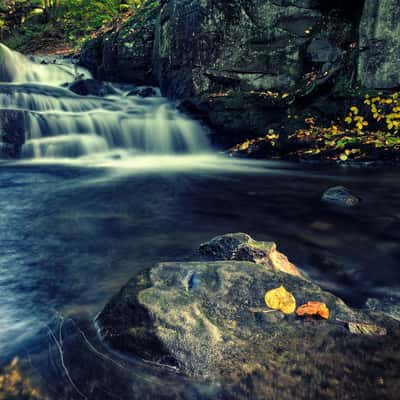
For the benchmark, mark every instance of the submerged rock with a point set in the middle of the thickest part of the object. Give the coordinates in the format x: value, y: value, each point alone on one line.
x: 91, y: 87
x: 340, y: 196
x: 209, y: 319
x: 242, y: 247
x: 143, y: 92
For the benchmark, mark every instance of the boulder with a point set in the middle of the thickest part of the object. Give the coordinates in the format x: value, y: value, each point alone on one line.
x: 242, y: 247
x: 91, y: 87
x: 340, y: 196
x: 209, y: 319
x: 144, y: 92
x: 379, y: 61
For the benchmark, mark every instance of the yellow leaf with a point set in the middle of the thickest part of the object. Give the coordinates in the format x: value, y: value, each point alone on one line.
x: 280, y: 299
x: 354, y: 110
x: 348, y: 120
x: 244, y: 146
x: 366, y: 329
x: 359, y: 125
x: 343, y: 157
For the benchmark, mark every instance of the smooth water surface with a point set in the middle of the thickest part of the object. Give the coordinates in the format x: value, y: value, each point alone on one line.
x: 71, y: 236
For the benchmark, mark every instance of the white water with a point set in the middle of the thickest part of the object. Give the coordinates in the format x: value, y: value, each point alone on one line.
x: 60, y: 124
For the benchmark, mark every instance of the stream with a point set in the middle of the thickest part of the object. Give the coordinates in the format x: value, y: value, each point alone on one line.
x: 108, y: 186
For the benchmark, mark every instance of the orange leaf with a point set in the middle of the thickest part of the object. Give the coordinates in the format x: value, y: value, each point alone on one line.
x: 313, y: 308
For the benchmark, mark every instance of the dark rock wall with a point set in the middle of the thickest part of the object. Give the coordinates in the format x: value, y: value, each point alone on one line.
x: 379, y: 62
x: 243, y: 66
x: 125, y: 54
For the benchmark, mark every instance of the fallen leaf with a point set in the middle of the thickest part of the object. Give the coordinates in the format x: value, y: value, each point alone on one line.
x: 366, y: 329
x: 313, y: 308
x: 280, y: 299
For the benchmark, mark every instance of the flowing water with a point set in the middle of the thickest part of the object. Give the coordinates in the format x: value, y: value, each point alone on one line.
x: 109, y: 186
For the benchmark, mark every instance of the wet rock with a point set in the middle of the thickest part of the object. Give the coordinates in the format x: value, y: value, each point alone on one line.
x: 379, y: 65
x: 124, y: 54
x: 320, y: 50
x: 209, y: 319
x: 253, y: 45
x: 143, y: 92
x: 241, y: 67
x: 91, y: 87
x: 387, y: 305
x: 340, y: 196
x: 242, y: 247
x: 12, y: 132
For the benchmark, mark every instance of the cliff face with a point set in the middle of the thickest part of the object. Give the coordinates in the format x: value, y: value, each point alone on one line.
x: 379, y: 61
x: 252, y: 45
x: 124, y: 54
x: 242, y: 65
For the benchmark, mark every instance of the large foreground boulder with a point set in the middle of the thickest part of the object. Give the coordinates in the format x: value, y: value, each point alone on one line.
x: 209, y: 319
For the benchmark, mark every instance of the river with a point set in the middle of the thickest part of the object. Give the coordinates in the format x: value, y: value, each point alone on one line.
x: 79, y: 220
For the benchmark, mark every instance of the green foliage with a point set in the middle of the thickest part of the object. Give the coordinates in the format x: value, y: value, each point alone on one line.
x: 24, y: 20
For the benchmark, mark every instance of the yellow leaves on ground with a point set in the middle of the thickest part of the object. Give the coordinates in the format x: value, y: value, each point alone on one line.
x: 313, y: 308
x: 13, y: 385
x: 366, y: 329
x: 280, y: 299
x: 250, y: 145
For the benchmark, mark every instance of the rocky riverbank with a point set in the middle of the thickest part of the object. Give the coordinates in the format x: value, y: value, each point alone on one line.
x: 209, y: 320
x: 251, y: 68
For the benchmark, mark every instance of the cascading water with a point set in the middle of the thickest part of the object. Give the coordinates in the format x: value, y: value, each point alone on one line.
x: 58, y: 123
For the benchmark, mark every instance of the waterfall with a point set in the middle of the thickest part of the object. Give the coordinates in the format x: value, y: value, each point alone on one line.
x: 58, y: 123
